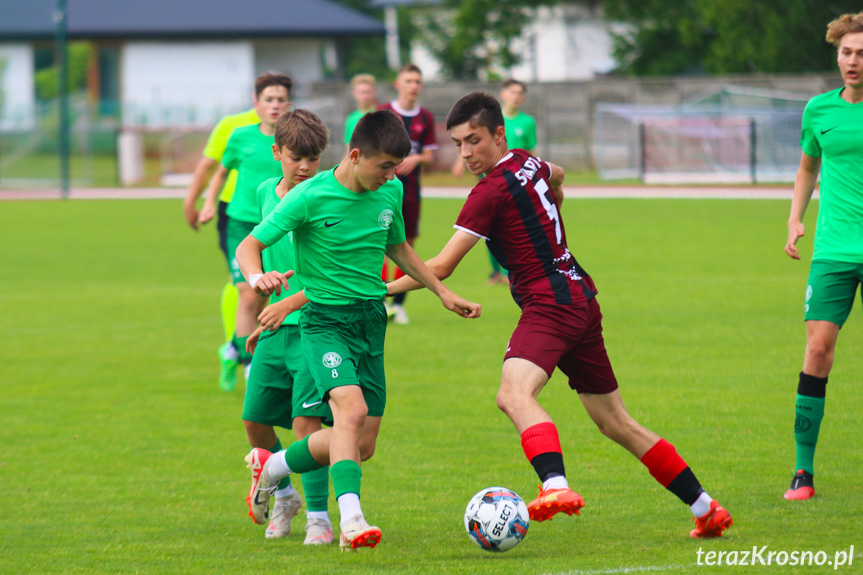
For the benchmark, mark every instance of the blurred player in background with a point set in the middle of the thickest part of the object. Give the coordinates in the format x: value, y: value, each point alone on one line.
x: 420, y: 126
x: 365, y: 95
x: 515, y: 209
x: 344, y: 323
x: 249, y: 152
x: 280, y: 390
x: 832, y: 141
x: 210, y: 160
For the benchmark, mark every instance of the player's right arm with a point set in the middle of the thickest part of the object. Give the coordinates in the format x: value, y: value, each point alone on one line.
x: 442, y: 265
x: 203, y: 172
x: 274, y: 314
x: 804, y: 185
x: 217, y: 182
x: 249, y: 259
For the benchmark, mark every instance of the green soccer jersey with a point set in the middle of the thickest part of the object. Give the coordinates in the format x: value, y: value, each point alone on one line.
x: 833, y: 131
x: 520, y: 131
x: 340, y: 236
x: 279, y: 256
x: 250, y: 153
x: 351, y: 123
x: 218, y: 141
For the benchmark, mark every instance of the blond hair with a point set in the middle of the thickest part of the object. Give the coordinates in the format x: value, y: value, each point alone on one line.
x: 845, y: 24
x: 362, y: 79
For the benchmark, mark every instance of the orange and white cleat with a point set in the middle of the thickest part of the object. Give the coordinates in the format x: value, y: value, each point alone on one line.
x: 553, y: 501
x: 802, y: 486
x: 356, y: 533
x: 262, y: 488
x: 712, y: 523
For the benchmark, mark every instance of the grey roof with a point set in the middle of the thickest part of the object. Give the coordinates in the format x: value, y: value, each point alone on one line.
x: 92, y: 19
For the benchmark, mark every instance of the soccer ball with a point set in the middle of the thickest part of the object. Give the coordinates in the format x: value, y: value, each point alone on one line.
x: 496, y: 519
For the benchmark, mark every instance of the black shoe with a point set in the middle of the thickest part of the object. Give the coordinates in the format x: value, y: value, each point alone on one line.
x: 802, y: 486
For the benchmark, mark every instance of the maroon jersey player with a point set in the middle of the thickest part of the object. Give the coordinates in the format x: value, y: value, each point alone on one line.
x: 420, y: 126
x: 515, y: 208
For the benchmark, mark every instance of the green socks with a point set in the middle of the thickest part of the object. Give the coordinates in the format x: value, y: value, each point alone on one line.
x: 346, y: 476
x: 811, y: 392
x: 316, y: 486
x: 299, y: 458
x: 243, y: 356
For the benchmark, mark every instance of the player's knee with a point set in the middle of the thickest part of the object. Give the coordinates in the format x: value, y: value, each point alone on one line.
x: 305, y: 426
x: 819, y: 352
x: 505, y: 399
x: 367, y: 448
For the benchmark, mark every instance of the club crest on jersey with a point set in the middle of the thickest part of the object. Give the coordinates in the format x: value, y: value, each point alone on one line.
x: 332, y: 359
x: 386, y: 218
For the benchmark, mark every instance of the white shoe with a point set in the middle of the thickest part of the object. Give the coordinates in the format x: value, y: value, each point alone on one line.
x: 356, y: 533
x: 247, y: 369
x: 284, y: 510
x: 318, y: 532
x: 401, y: 316
x: 389, y: 310
x: 262, y: 486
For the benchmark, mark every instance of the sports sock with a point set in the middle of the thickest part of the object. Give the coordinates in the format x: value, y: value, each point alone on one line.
x: 385, y: 271
x: 399, y: 298
x: 811, y: 396
x: 347, y: 477
x: 672, y: 472
x: 299, y: 458
x: 349, y: 506
x: 702, y: 505
x: 286, y: 481
x: 229, y: 308
x: 316, y: 485
x: 318, y: 515
x: 541, y: 445
x: 284, y: 492
x: 243, y: 356
x: 555, y: 482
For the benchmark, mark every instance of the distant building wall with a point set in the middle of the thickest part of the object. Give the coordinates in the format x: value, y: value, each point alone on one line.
x: 177, y: 83
x: 300, y: 58
x: 18, y: 92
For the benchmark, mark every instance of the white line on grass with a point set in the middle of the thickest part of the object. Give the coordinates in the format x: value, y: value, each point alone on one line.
x: 614, y: 571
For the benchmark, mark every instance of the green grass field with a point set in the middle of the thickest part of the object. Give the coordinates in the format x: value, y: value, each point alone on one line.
x: 119, y: 454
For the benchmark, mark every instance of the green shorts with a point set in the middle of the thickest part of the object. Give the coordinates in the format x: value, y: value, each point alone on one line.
x: 831, y: 289
x: 344, y: 345
x: 236, y: 233
x: 280, y: 386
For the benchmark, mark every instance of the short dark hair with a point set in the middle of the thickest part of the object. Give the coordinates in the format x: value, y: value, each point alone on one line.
x: 264, y: 81
x: 302, y: 132
x: 477, y: 108
x: 410, y: 68
x: 381, y: 131
x: 510, y: 81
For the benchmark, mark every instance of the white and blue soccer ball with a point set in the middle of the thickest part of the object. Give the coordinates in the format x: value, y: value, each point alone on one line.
x: 496, y: 519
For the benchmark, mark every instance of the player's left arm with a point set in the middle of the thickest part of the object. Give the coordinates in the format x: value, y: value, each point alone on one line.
x: 249, y: 259
x: 556, y: 182
x: 442, y: 265
x: 406, y: 258
x: 274, y: 314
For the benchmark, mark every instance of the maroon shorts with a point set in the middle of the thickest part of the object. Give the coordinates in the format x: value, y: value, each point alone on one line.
x: 568, y: 337
x: 411, y: 213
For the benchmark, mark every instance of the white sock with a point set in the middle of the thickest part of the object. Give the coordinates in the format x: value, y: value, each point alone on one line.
x: 349, y: 505
x: 231, y: 352
x: 277, y: 467
x: 318, y: 515
x: 556, y: 482
x: 701, y: 505
x: 283, y: 493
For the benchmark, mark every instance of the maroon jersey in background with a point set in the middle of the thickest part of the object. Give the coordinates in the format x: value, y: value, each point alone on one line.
x: 513, y: 209
x: 420, y: 126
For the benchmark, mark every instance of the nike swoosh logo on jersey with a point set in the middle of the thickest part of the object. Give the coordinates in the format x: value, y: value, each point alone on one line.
x: 827, y: 130
x: 329, y: 225
x: 308, y: 405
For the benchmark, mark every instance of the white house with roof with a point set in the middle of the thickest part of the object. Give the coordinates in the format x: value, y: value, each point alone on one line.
x: 176, y: 61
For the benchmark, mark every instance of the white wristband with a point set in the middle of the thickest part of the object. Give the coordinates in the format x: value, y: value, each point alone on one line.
x: 253, y: 279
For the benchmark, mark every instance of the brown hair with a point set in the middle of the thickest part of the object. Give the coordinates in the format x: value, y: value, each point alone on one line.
x: 478, y: 108
x: 264, y: 81
x: 410, y: 68
x: 302, y: 132
x: 381, y: 131
x: 510, y: 81
x: 845, y: 24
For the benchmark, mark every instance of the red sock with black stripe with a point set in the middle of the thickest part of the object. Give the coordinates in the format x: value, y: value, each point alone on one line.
x: 541, y: 445
x: 672, y: 472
